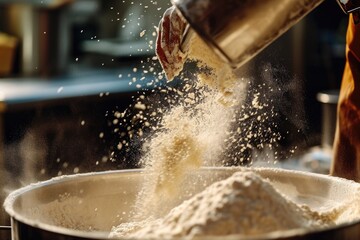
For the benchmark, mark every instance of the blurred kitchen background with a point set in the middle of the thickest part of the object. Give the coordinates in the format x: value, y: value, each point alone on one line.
x: 65, y: 68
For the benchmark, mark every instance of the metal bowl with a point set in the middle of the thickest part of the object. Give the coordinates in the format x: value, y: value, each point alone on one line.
x: 86, y: 206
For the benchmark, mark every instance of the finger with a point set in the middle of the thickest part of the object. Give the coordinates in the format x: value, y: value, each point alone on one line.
x: 166, y: 25
x: 174, y: 38
x: 178, y: 26
x: 163, y: 37
x: 159, y: 50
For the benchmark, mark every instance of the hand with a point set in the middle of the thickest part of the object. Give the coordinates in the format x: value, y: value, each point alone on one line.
x: 168, y: 43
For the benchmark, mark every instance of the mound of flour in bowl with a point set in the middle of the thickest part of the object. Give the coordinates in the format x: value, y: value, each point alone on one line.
x: 243, y: 204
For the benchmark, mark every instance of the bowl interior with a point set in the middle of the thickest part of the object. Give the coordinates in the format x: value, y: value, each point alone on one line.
x: 95, y: 202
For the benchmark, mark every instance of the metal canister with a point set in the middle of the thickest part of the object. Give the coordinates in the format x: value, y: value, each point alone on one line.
x: 239, y: 29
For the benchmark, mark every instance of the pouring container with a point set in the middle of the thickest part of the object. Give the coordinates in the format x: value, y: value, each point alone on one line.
x: 86, y: 206
x: 239, y: 29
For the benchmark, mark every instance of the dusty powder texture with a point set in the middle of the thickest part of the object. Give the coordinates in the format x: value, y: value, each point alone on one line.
x: 186, y: 135
x: 191, y: 134
x: 349, y: 210
x: 195, y: 131
x: 214, y: 73
x: 243, y: 204
x: 66, y: 212
x: 185, y: 141
x: 220, y: 75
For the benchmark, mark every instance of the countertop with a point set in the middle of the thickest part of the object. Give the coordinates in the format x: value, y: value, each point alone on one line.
x: 18, y: 91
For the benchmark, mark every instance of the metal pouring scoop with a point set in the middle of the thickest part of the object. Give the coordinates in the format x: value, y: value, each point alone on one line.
x: 239, y: 29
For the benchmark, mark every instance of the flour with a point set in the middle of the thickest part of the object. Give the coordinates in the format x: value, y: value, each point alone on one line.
x: 185, y: 141
x: 191, y: 134
x: 214, y: 73
x: 243, y: 204
x: 194, y: 132
x: 67, y: 212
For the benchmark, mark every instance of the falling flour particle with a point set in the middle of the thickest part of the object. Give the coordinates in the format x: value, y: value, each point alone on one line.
x: 142, y: 33
x: 140, y: 106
